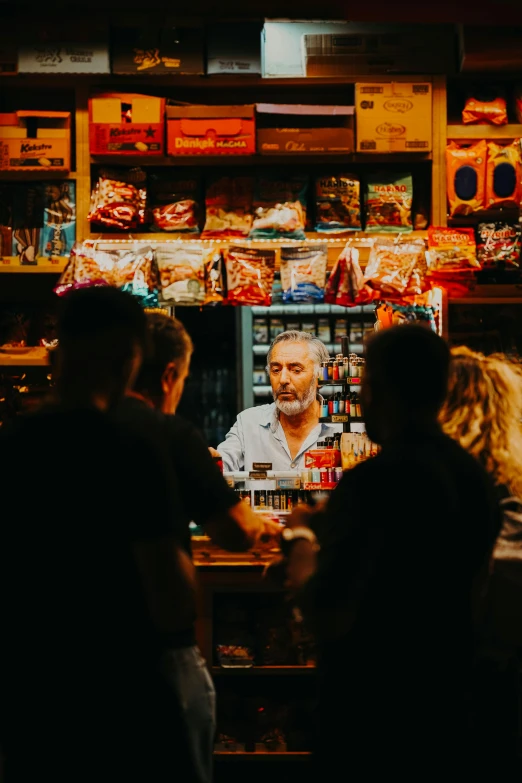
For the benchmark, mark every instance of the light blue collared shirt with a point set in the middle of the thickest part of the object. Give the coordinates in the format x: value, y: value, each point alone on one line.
x: 257, y: 436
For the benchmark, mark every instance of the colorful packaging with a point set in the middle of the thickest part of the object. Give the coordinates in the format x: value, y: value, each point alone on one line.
x: 58, y: 234
x: 215, y: 278
x: 466, y: 177
x: 337, y: 204
x: 504, y: 175
x: 119, y: 199
x: 303, y: 272
x: 346, y: 280
x: 388, y: 203
x: 174, y: 203
x: 499, y: 244
x: 250, y: 275
x: 228, y: 204
x: 390, y: 266
x: 181, y: 271
x: 451, y: 250
x: 280, y: 207
x: 485, y: 110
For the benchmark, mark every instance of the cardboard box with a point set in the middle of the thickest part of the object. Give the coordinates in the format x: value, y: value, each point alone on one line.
x: 281, y: 55
x: 158, y: 49
x: 234, y: 48
x: 38, y: 150
x: 296, y: 129
x: 394, y: 117
x: 211, y: 130
x: 126, y: 124
x: 65, y: 48
x: 322, y: 458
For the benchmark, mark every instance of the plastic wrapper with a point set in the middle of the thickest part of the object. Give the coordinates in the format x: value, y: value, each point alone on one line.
x: 58, y: 234
x: 390, y: 266
x: 451, y: 251
x: 345, y: 286
x: 250, y: 275
x: 131, y: 269
x: 174, y: 204
x: 119, y: 199
x: 337, y: 204
x: 280, y: 208
x: 388, y: 203
x: 228, y: 204
x: 393, y: 314
x: 499, y: 244
x: 215, y: 278
x: 303, y: 272
x: 485, y: 109
x: 182, y: 272
x: 504, y: 175
x: 466, y: 177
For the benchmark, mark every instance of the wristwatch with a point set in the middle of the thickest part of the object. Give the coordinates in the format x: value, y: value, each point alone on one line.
x: 291, y: 534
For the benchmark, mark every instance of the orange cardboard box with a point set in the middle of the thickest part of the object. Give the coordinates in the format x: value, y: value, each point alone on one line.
x: 322, y: 458
x: 211, y: 130
x: 126, y: 124
x: 35, y: 140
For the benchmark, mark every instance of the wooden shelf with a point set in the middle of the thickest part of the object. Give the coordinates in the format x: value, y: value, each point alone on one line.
x: 491, y: 294
x: 11, y: 265
x: 36, y: 357
x: 226, y: 161
x: 261, y: 671
x: 266, y: 755
x: 477, y: 132
x: 508, y: 214
x: 39, y: 174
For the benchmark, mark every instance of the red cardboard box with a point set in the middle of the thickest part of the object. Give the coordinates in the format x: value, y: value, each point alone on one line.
x: 211, y: 130
x: 35, y: 140
x: 126, y: 124
x: 322, y: 458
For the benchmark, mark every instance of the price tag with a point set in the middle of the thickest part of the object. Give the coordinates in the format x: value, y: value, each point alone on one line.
x: 288, y: 483
x: 339, y: 418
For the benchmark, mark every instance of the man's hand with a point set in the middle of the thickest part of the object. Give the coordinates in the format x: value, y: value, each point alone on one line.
x: 213, y: 452
x: 270, y: 533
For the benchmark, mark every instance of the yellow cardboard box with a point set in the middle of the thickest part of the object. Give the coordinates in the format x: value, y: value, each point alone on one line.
x: 393, y: 117
x: 35, y: 140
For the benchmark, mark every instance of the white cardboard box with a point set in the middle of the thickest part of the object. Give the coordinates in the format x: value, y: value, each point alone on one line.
x: 281, y: 52
x: 63, y: 57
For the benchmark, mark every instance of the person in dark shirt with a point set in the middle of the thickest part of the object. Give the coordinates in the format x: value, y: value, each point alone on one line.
x: 93, y: 579
x: 404, y: 542
x: 206, y: 499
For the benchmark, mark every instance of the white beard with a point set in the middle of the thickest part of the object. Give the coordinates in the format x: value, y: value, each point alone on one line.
x: 294, y: 407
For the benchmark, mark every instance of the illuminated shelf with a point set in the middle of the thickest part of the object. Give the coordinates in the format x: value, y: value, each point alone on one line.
x: 12, y: 265
x: 476, y: 132
x: 35, y: 174
x: 285, y: 158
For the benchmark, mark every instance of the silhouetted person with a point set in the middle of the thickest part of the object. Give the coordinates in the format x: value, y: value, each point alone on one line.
x: 405, y: 540
x: 92, y: 578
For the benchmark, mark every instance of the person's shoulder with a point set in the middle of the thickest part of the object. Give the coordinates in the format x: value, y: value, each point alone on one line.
x: 260, y: 414
x: 179, y: 427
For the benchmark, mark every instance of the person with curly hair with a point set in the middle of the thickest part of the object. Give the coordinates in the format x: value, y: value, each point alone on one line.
x: 482, y: 412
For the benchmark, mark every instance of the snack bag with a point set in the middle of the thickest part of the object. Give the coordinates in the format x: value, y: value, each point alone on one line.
x: 504, y: 175
x: 388, y: 203
x: 280, y: 207
x: 58, y: 234
x: 485, y: 109
x: 390, y: 266
x: 228, y: 204
x: 118, y: 199
x: 451, y: 251
x: 250, y: 275
x: 215, y: 278
x: 174, y: 204
x: 499, y: 245
x: 303, y: 272
x: 466, y: 177
x: 181, y: 272
x: 337, y: 204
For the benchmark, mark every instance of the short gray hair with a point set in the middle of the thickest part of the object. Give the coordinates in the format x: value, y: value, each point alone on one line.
x: 317, y: 348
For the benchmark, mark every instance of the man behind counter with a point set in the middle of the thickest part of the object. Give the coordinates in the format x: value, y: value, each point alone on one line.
x: 281, y: 432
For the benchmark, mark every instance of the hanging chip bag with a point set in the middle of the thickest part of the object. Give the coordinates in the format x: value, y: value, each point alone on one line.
x: 119, y: 199
x: 228, y: 205
x: 280, y: 207
x: 174, y: 203
x: 303, y: 273
x: 388, y: 203
x: 337, y: 204
x: 250, y: 275
x: 466, y: 177
x: 504, y: 175
x: 181, y: 272
x: 390, y: 266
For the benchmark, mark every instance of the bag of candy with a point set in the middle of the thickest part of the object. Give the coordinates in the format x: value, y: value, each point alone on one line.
x: 466, y: 177
x: 390, y: 266
x: 250, y: 275
x: 118, y: 200
x: 228, y: 204
x: 181, y: 271
x: 280, y: 207
x: 451, y: 251
x: 337, y: 204
x: 499, y: 245
x: 388, y: 203
x: 485, y: 107
x: 303, y: 272
x: 504, y: 175
x: 174, y: 203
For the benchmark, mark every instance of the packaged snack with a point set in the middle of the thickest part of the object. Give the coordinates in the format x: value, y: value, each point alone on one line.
x: 228, y: 204
x: 485, y: 108
x: 303, y: 272
x: 390, y: 266
x: 466, y: 177
x: 215, y: 278
x: 119, y: 199
x: 280, y: 207
x: 504, y: 175
x: 132, y: 269
x: 388, y: 203
x: 337, y: 204
x: 174, y: 203
x: 58, y: 234
x: 181, y: 272
x: 250, y: 275
x: 451, y: 250
x: 346, y: 282
x: 499, y: 244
